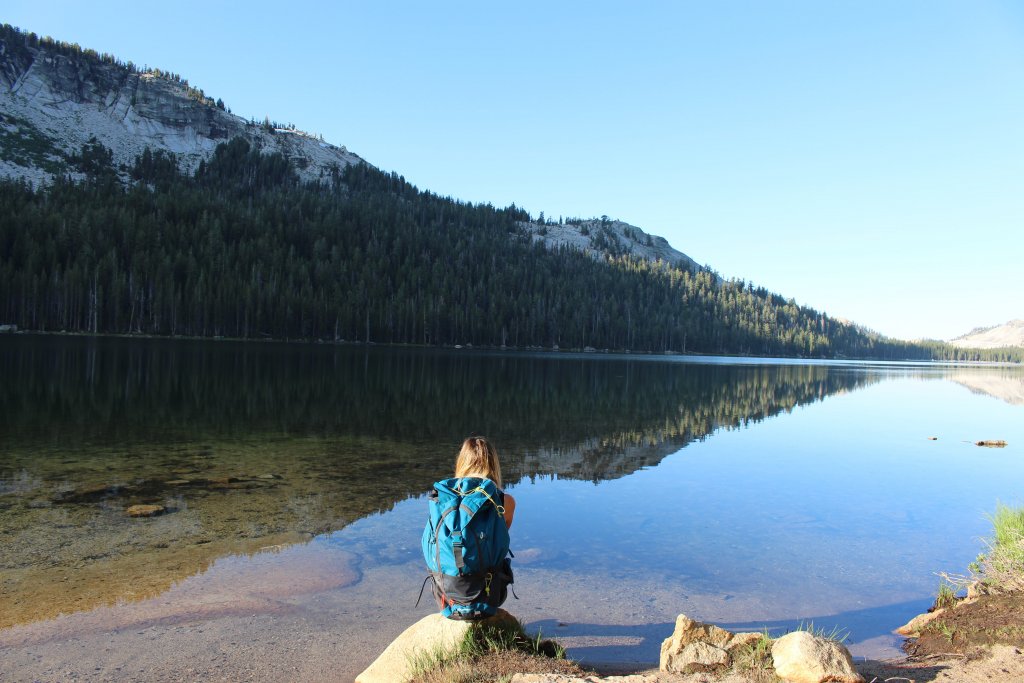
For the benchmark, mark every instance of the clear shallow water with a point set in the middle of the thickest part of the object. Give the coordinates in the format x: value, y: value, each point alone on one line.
x: 751, y: 495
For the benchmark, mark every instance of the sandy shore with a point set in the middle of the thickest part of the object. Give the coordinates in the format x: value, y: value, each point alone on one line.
x: 297, y: 615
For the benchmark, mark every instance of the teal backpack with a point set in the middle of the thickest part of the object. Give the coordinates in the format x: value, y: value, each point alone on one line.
x: 465, y: 545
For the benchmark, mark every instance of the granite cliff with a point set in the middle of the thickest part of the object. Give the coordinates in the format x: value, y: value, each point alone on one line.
x: 55, y: 97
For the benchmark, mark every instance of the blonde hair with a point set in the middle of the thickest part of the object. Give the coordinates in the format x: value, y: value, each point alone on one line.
x: 478, y: 458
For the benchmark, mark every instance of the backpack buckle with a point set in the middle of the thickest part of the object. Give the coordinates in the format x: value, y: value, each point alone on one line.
x: 457, y: 551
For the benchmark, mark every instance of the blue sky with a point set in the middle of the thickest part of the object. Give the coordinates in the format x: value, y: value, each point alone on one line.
x: 864, y: 158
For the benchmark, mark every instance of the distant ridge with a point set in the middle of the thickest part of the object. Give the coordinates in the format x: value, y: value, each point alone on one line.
x: 1009, y: 334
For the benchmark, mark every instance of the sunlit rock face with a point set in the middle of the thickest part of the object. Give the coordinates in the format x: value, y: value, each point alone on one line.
x: 53, y: 100
x: 1001, y: 336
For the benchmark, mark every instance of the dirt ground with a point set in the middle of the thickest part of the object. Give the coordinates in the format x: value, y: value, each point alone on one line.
x: 988, y: 620
x: 994, y: 664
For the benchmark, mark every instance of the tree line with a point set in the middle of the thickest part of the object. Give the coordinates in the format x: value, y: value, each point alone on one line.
x: 242, y: 248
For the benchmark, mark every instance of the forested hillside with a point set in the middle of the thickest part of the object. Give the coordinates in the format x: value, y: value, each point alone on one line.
x: 242, y: 248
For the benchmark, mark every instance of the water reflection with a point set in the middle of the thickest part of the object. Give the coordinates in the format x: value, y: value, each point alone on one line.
x: 1005, y: 384
x: 250, y: 445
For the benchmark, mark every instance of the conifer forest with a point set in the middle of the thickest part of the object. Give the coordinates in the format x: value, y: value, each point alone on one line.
x: 242, y: 248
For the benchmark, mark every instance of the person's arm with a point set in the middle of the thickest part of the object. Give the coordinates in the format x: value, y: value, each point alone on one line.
x: 510, y: 510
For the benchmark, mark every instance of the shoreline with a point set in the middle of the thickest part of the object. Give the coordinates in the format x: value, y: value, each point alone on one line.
x: 553, y: 350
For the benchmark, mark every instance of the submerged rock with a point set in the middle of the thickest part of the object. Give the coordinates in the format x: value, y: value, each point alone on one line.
x: 146, y: 510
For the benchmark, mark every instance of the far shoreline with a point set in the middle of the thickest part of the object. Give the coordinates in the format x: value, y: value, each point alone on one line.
x: 542, y: 351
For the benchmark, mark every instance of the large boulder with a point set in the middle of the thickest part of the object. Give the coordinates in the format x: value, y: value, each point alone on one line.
x: 564, y: 678
x: 801, y: 657
x: 431, y: 637
x: 697, y: 657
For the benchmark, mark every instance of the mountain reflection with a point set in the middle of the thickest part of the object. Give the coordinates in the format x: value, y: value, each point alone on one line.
x: 1005, y: 383
x: 250, y: 445
x: 66, y: 391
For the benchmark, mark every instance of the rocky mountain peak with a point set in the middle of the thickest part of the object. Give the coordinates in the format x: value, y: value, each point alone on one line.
x: 54, y: 97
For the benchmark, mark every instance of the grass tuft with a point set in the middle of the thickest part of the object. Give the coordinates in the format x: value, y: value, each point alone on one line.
x: 755, y: 659
x: 835, y: 634
x: 485, y: 652
x: 1002, y: 567
x: 946, y: 596
x: 947, y: 630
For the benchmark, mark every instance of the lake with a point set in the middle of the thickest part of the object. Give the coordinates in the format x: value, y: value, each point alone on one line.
x: 751, y: 493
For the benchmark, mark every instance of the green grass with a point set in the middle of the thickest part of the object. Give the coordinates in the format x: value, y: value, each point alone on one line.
x: 948, y: 631
x: 756, y: 655
x: 1002, y: 567
x: 1008, y: 528
x: 946, y: 596
x: 835, y: 634
x: 456, y: 664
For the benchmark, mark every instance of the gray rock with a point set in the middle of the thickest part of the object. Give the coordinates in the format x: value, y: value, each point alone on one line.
x: 563, y: 678
x: 975, y: 590
x: 699, y: 657
x: 913, y: 628
x: 694, y: 646
x: 801, y: 657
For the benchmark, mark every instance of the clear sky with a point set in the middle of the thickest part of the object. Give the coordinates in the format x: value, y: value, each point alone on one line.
x: 865, y: 158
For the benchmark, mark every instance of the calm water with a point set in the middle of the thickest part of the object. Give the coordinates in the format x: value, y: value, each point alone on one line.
x: 750, y: 494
